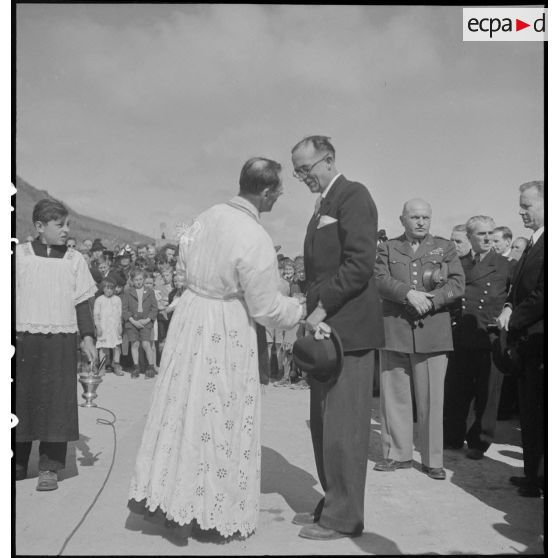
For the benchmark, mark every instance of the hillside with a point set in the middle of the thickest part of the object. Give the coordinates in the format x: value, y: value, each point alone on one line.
x: 81, y: 226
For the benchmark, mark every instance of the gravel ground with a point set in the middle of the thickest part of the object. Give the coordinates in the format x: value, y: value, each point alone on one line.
x: 474, y: 511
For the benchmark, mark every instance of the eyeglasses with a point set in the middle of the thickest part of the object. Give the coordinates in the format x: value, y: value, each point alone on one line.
x: 302, y: 173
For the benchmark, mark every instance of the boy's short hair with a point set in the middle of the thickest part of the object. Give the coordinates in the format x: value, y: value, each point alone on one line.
x: 134, y: 273
x: 49, y: 209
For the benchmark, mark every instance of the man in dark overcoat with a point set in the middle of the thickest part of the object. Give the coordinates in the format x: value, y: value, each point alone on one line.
x: 418, y: 276
x: 471, y: 373
x: 523, y: 317
x: 339, y: 253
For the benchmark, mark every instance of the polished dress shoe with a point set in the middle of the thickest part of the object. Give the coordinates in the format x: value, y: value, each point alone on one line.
x: 474, y: 453
x: 436, y: 473
x: 392, y: 465
x: 529, y: 491
x: 524, y: 481
x: 318, y: 533
x: 304, y: 518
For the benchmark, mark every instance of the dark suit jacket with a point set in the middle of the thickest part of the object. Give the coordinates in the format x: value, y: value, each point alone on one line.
x: 527, y: 298
x: 130, y: 305
x: 486, y: 289
x: 339, y: 263
x: 398, y: 270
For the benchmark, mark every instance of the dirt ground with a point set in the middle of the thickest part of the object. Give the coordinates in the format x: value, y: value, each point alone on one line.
x: 474, y: 511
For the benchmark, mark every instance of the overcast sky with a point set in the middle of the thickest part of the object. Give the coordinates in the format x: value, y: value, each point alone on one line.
x: 144, y: 114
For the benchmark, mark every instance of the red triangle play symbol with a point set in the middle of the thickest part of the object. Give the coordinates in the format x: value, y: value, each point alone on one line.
x: 519, y: 25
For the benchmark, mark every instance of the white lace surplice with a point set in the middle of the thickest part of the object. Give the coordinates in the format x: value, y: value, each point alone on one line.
x: 42, y: 287
x: 200, y: 453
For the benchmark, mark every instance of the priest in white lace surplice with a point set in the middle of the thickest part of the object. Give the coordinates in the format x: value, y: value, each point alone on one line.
x: 54, y: 290
x: 200, y: 453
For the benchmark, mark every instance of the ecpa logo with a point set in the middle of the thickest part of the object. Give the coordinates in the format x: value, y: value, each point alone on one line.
x: 504, y: 24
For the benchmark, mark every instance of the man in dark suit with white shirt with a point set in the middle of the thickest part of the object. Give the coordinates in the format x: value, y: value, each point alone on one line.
x: 502, y: 240
x: 339, y: 255
x: 523, y: 318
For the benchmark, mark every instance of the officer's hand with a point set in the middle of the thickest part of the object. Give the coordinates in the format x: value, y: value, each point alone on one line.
x: 420, y: 301
x: 503, y: 319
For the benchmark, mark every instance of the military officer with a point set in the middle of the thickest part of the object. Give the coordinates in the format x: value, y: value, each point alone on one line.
x: 418, y: 276
x: 471, y: 373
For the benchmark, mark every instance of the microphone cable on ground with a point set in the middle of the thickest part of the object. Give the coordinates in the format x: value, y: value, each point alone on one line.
x: 111, y: 424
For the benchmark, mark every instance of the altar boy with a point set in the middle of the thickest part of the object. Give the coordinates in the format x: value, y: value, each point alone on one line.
x: 54, y: 294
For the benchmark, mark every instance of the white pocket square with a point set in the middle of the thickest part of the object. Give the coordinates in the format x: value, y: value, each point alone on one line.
x: 326, y: 220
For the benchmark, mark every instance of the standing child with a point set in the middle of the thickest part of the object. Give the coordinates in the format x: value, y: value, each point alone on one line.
x: 54, y: 291
x: 149, y: 283
x: 108, y: 321
x: 139, y: 311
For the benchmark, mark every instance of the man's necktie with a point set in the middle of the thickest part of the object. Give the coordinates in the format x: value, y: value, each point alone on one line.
x: 529, y: 246
x: 414, y: 245
x: 476, y: 259
x: 318, y: 206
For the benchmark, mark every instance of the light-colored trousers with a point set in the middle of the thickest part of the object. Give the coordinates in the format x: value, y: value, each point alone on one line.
x: 426, y: 372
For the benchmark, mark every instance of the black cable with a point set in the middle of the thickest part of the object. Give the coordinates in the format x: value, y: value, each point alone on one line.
x: 110, y: 423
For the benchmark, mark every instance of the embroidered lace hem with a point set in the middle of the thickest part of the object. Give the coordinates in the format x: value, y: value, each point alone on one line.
x: 225, y: 528
x: 40, y: 328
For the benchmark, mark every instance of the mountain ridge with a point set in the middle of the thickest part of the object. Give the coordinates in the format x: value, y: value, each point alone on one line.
x: 81, y: 226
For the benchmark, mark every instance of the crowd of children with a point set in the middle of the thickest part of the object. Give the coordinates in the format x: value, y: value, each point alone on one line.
x: 135, y: 289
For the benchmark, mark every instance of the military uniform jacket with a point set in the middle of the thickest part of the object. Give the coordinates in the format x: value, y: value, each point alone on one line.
x: 339, y: 254
x: 399, y: 269
x: 486, y: 288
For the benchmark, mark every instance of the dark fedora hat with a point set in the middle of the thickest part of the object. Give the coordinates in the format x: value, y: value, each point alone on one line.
x: 434, y: 275
x: 321, y: 358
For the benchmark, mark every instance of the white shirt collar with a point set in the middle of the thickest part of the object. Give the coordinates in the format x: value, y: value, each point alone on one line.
x: 537, y: 234
x: 328, y: 188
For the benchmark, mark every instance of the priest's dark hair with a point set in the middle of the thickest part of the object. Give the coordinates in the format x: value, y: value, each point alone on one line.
x: 259, y: 173
x: 49, y: 209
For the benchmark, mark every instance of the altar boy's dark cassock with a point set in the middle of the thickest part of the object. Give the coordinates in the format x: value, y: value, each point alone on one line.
x: 339, y: 256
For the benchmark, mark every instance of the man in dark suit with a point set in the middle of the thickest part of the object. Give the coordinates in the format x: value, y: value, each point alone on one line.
x: 418, y: 276
x: 471, y: 373
x: 339, y: 253
x: 523, y: 318
x: 502, y: 241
